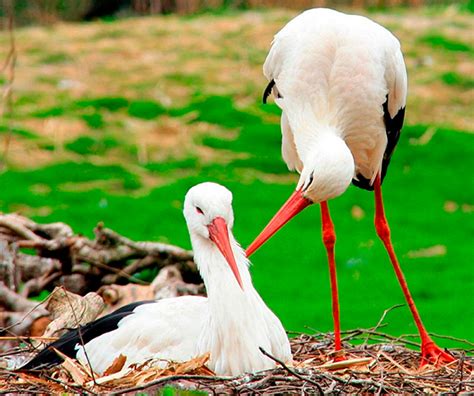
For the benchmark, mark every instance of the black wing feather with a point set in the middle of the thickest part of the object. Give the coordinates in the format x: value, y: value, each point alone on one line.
x: 67, y: 343
x: 268, y: 91
x: 393, y: 126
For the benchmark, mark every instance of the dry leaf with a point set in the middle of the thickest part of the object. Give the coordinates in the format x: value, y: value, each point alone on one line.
x: 120, y: 375
x: 73, y: 368
x: 70, y: 310
x: 198, y: 363
x: 116, y: 365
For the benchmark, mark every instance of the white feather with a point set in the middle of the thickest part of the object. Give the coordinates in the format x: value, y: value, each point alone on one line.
x: 288, y: 148
x: 231, y: 323
x: 334, y: 72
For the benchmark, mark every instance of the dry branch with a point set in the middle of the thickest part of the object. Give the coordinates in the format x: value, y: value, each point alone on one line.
x: 6, y: 106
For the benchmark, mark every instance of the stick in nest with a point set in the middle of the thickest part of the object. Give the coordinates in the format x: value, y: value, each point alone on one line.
x: 321, y: 392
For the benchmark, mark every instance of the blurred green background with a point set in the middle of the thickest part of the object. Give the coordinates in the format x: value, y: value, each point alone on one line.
x: 113, y: 120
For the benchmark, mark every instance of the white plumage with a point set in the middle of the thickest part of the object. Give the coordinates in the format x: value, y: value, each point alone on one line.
x: 333, y: 72
x: 231, y: 323
x: 166, y: 330
x: 341, y: 83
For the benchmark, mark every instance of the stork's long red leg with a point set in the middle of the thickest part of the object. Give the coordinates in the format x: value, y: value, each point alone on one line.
x: 329, y: 239
x: 430, y: 352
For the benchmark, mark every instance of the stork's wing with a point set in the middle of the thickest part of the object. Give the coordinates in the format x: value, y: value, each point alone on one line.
x: 394, y: 107
x: 393, y: 127
x: 67, y: 343
x: 169, y: 329
x: 393, y: 112
x: 288, y: 147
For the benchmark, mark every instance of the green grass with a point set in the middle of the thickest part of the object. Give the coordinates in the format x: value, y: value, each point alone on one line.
x: 54, y: 58
x: 293, y: 263
x: 459, y: 80
x: 55, y: 111
x: 167, y: 166
x: 194, y: 80
x: 92, y: 145
x: 171, y: 391
x: 94, y: 120
x: 145, y: 109
x: 108, y: 103
x: 216, y: 110
x: 18, y: 131
x: 442, y: 42
x: 111, y: 173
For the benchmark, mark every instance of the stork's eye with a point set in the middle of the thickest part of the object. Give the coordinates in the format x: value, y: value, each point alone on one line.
x: 310, y: 181
x: 199, y: 210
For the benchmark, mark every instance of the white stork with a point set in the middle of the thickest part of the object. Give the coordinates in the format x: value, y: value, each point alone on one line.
x: 341, y: 83
x: 231, y: 323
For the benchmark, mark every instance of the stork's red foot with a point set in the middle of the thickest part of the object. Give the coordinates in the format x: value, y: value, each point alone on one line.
x: 339, y: 358
x: 434, y: 355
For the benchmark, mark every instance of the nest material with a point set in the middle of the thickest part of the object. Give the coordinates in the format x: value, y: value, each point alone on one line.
x: 386, y: 366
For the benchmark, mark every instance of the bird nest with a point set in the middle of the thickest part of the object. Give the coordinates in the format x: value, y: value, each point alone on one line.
x: 376, y: 363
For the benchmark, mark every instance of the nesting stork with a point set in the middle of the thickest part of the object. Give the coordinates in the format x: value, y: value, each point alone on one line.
x: 341, y: 83
x: 231, y: 323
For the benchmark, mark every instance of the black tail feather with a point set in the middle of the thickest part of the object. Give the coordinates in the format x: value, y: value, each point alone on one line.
x: 393, y: 127
x: 68, y: 342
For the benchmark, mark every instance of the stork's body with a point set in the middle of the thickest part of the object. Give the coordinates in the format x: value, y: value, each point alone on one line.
x: 341, y: 83
x: 333, y: 73
x: 231, y: 323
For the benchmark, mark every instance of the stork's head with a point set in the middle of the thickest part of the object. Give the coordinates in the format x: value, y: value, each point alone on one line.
x: 209, y: 216
x: 326, y: 174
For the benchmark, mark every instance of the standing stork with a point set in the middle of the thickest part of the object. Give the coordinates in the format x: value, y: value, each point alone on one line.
x: 231, y: 323
x: 341, y: 83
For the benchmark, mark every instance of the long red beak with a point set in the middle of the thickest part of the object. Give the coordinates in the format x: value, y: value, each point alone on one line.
x: 295, y: 204
x: 219, y: 234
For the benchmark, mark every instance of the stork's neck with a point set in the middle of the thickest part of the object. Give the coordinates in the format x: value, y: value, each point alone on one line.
x: 221, y: 284
x: 325, y: 155
x: 312, y: 134
x: 238, y: 321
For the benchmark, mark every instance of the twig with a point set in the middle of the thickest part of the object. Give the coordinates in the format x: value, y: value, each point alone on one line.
x: 20, y: 229
x: 9, y: 65
x: 170, y: 378
x: 403, y: 369
x: 291, y: 371
x: 381, y: 385
x: 381, y: 319
x: 445, y: 337
x: 390, y: 337
x: 129, y: 270
x: 34, y: 308
x: 38, y: 284
x: 79, y: 332
x: 154, y: 248
x: 76, y: 387
x: 120, y: 272
x: 27, y: 338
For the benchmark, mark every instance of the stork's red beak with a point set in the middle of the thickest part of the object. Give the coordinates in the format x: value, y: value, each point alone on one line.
x: 295, y: 204
x: 219, y: 234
